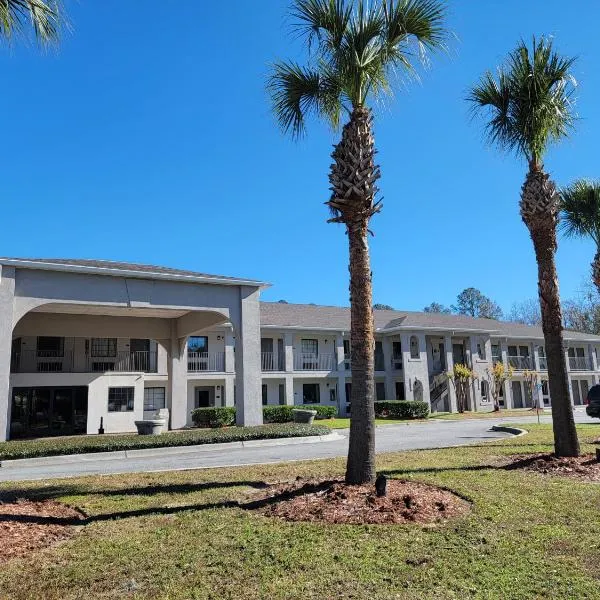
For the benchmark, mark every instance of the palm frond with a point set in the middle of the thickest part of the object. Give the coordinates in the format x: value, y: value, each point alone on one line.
x: 580, y: 210
x: 298, y: 91
x: 322, y: 20
x: 43, y: 15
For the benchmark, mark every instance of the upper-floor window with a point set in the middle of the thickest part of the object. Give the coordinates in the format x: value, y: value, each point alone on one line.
x: 310, y: 347
x: 397, y: 350
x: 50, y: 347
x: 104, y: 347
x: 198, y: 343
x: 414, y: 346
x: 481, y: 349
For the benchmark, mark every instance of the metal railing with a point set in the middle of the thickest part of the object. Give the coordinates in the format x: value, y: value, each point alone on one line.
x: 579, y: 363
x: 200, y: 362
x: 521, y: 363
x: 397, y: 363
x: 314, y: 362
x: 31, y: 361
x: 543, y: 363
x: 496, y: 358
x: 269, y: 363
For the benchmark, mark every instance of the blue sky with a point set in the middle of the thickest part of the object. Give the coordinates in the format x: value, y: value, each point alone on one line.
x: 147, y: 137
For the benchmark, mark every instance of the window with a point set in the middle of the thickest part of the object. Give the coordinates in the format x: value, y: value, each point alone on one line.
x: 310, y: 347
x: 481, y: 349
x: 120, y: 399
x: 264, y: 394
x: 310, y: 393
x: 104, y: 347
x: 50, y: 347
x: 400, y: 391
x: 347, y: 361
x: 281, y: 394
x: 380, y: 390
x: 414, y: 346
x: 397, y: 350
x: 198, y: 344
x: 332, y: 395
x: 154, y: 399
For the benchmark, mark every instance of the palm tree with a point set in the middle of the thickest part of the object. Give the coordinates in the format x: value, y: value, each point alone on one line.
x: 354, y: 49
x: 42, y: 15
x: 529, y: 105
x: 581, y: 216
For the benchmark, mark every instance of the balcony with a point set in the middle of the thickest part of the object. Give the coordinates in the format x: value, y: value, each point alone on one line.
x: 314, y: 362
x: 70, y: 362
x: 269, y: 363
x: 496, y: 358
x: 521, y: 363
x: 543, y: 363
x: 397, y: 363
x: 579, y: 363
x: 438, y: 365
x: 206, y: 362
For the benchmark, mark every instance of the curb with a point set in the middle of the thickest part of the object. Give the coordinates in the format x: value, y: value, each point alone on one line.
x: 515, y: 431
x: 171, y: 450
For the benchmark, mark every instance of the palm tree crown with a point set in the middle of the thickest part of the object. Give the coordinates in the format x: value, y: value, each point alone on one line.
x: 530, y: 101
x: 354, y: 48
x: 580, y: 204
x: 43, y: 15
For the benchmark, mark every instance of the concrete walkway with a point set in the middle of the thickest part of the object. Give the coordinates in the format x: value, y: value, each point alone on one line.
x: 390, y: 438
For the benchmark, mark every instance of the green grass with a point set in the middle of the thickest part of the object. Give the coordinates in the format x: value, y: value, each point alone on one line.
x: 170, y: 536
x: 109, y: 443
x: 515, y: 412
x: 342, y: 423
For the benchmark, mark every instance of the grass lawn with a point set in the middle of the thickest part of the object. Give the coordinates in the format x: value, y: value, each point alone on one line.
x: 170, y: 536
x: 58, y: 446
x: 341, y: 423
x: 513, y: 412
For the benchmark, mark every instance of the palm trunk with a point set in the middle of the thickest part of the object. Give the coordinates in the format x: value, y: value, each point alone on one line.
x: 539, y: 210
x: 596, y: 270
x: 353, y: 176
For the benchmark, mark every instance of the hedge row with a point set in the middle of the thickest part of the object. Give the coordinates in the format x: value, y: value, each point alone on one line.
x: 401, y: 409
x: 225, y: 416
x: 110, y: 443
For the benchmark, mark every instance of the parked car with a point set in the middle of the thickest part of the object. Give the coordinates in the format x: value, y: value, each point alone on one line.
x: 593, y: 402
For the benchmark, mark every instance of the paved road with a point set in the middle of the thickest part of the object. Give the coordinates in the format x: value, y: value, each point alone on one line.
x: 432, y: 434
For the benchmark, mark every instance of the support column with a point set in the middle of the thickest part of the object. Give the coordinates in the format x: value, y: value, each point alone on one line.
x: 7, y: 295
x: 288, y: 344
x: 390, y: 390
x: 289, y: 390
x: 247, y: 359
x: 229, y: 390
x: 450, y: 368
x: 341, y: 374
x: 508, y: 401
x: 177, y: 370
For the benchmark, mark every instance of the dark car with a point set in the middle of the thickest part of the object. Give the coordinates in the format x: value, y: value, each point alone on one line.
x: 593, y: 402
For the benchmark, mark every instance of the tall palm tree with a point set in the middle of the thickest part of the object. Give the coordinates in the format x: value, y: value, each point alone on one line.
x: 529, y: 105
x: 355, y: 47
x: 581, y: 216
x: 42, y: 15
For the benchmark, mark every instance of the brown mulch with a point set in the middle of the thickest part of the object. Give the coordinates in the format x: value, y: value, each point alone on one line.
x: 335, y: 502
x: 27, y: 526
x: 584, y: 468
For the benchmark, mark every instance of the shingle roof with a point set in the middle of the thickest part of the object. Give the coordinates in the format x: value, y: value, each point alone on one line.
x: 109, y: 265
x: 309, y: 316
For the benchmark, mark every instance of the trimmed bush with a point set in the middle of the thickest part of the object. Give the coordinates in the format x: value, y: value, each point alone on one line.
x: 82, y: 444
x: 401, y: 409
x: 278, y: 414
x: 215, y: 416
x: 323, y: 411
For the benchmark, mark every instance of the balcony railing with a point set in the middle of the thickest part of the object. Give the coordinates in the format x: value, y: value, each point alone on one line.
x: 201, y: 362
x: 438, y: 365
x: 31, y: 361
x: 379, y: 362
x: 579, y: 363
x: 269, y: 363
x: 543, y: 363
x: 397, y: 363
x: 521, y: 363
x: 496, y: 358
x: 314, y: 362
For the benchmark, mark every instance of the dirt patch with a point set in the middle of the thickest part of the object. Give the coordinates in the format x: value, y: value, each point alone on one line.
x: 27, y: 526
x: 584, y: 468
x: 335, y: 502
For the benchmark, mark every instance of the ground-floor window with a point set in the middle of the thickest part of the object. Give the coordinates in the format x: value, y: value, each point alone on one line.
x: 154, y: 399
x: 120, y: 399
x: 380, y: 390
x: 265, y: 399
x: 281, y: 394
x: 310, y: 393
x: 400, y: 395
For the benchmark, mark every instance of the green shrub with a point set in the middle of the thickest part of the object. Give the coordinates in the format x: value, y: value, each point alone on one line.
x: 277, y: 414
x: 215, y: 416
x: 130, y: 441
x: 401, y: 409
x: 323, y: 411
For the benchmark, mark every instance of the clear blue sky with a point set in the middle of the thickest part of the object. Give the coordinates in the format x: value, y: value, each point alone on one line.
x: 147, y: 137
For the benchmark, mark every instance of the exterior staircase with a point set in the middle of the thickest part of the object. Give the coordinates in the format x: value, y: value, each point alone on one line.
x: 438, y: 393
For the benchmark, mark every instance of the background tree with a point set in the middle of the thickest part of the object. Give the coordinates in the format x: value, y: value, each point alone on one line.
x: 436, y: 307
x: 461, y: 378
x: 473, y: 303
x: 580, y: 205
x: 583, y: 313
x: 496, y: 377
x: 526, y: 312
x: 43, y: 16
x: 355, y: 50
x: 382, y: 307
x: 529, y: 106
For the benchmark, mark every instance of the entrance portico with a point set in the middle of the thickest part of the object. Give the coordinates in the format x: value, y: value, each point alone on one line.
x: 101, y: 300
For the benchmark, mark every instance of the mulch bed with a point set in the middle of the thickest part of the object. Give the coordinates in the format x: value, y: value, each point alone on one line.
x: 584, y: 468
x: 27, y: 526
x: 335, y: 502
